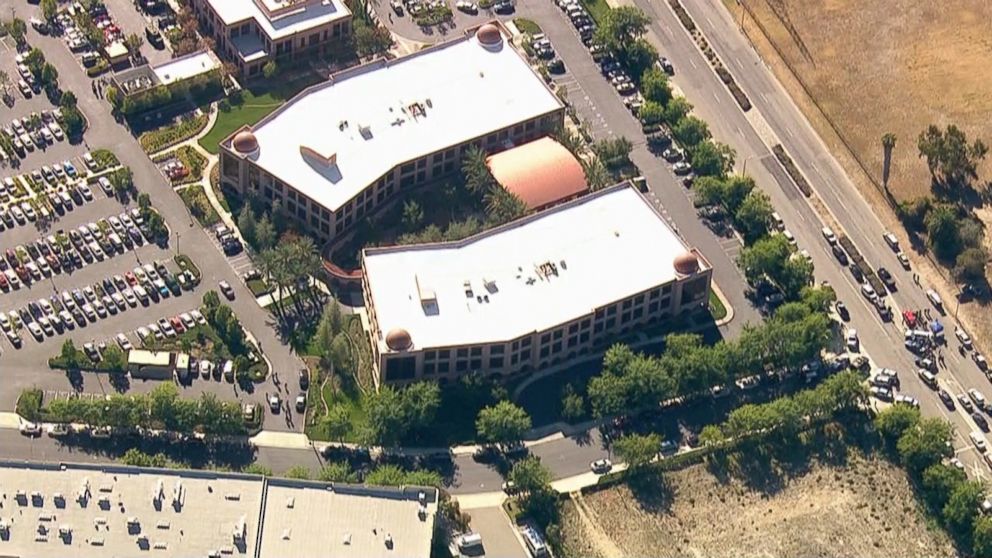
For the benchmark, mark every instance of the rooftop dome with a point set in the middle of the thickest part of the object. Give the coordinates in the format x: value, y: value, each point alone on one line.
x: 398, y: 339
x: 686, y: 263
x: 489, y: 36
x: 245, y: 142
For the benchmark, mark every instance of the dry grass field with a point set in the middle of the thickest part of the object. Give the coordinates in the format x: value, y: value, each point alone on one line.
x: 864, y: 509
x: 888, y: 66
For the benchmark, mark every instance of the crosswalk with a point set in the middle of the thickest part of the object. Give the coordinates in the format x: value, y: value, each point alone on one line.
x: 240, y: 263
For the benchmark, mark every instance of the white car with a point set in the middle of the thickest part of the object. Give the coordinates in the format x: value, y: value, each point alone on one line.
x: 963, y: 337
x: 36, y: 331
x: 124, y: 342
x: 601, y: 466
x: 853, y: 344
x: 829, y: 235
x: 198, y: 316
x: 789, y: 236
x: 978, y: 440
x: 156, y: 331
x: 129, y: 297
x: 868, y: 292
x: 143, y: 332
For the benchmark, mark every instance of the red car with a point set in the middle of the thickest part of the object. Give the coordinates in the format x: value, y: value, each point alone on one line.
x: 22, y: 272
x: 3, y: 282
x: 131, y: 279
x: 177, y: 324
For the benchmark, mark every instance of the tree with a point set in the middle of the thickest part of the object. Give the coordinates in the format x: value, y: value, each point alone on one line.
x: 421, y: 401
x: 950, y: 158
x: 336, y: 423
x: 767, y: 256
x: 114, y: 97
x: 713, y: 158
x: 676, y: 110
x: 114, y: 359
x: 925, y: 444
x: 529, y: 474
x: 270, y: 69
x: 4, y: 82
x: 888, y: 144
x: 133, y: 43
x: 122, y: 181
x: 49, y: 76
x: 962, y: 509
x: 597, y: 176
x: 753, y: 216
x: 503, y: 423
x: 970, y: 264
x: 572, y: 404
x: 246, y: 223
x: 68, y: 101
x: 939, y: 482
x: 711, y: 434
x: 298, y: 472
x: 691, y: 131
x: 211, y: 299
x: 942, y: 232
x: 17, y: 29
x: 337, y: 471
x: 620, y: 32
x: 340, y: 356
x: 503, y: 206
x: 70, y: 355
x: 614, y: 152
x: 982, y: 537
x: 137, y: 458
x: 370, y: 40
x: 257, y: 469
x: 637, y: 450
x: 265, y: 233
x: 49, y: 9
x: 478, y: 179
x: 651, y: 113
x: 413, y: 215
x: 655, y: 87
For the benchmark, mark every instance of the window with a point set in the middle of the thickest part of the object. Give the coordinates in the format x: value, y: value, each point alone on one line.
x: 639, y: 299
x: 444, y: 354
x: 572, y: 341
x: 573, y: 328
x: 666, y: 289
x: 429, y: 369
x: 496, y: 349
x: 476, y: 351
x: 653, y: 307
x: 525, y: 355
x: 598, y: 328
x: 525, y: 342
x: 557, y: 334
x: 476, y: 363
x: 625, y: 317
x: 545, y: 338
x: 461, y: 366
x: 544, y: 351
x: 583, y: 337
x: 655, y: 294
x: 430, y: 355
x: 638, y: 312
x: 556, y: 348
x: 585, y: 323
x: 443, y: 367
x: 611, y: 323
x: 611, y: 311
x: 462, y: 353
x: 496, y: 362
x: 401, y: 368
x: 626, y: 304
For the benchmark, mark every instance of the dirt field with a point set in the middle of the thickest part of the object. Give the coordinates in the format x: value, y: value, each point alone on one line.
x: 888, y: 66
x: 862, y: 510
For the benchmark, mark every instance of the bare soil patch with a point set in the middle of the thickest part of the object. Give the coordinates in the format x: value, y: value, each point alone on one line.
x: 888, y: 66
x: 864, y: 509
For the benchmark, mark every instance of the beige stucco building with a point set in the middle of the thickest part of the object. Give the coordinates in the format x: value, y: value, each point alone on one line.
x: 533, y: 293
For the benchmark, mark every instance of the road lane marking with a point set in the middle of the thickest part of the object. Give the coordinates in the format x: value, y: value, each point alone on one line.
x: 693, y: 62
x: 715, y: 96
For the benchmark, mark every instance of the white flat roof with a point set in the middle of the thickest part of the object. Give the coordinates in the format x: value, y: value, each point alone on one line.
x: 307, y: 16
x: 203, y: 523
x: 606, y: 246
x: 465, y: 91
x: 347, y: 522
x: 186, y: 67
x: 297, y: 518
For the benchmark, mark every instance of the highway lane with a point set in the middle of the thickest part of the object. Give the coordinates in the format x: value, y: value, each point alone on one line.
x: 856, y: 217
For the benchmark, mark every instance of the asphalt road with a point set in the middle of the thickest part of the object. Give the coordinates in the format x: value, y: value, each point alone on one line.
x: 857, y: 218
x: 105, y: 132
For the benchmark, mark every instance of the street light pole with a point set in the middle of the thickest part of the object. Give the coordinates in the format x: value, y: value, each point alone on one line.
x: 177, y: 242
x: 744, y: 165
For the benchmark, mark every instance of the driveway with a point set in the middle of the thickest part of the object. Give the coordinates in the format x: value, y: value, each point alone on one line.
x: 105, y: 132
x: 499, y: 538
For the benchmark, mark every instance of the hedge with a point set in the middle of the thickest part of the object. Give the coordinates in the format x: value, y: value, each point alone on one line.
x: 790, y: 167
x: 683, y: 16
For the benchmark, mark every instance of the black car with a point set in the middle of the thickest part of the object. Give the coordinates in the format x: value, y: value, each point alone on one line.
x: 946, y: 398
x: 233, y: 247
x: 856, y: 272
x: 154, y: 38
x: 556, y: 66
x: 887, y: 278
x: 504, y: 8
x: 304, y: 379
x: 842, y: 311
x: 840, y: 254
x: 666, y: 66
x: 980, y: 421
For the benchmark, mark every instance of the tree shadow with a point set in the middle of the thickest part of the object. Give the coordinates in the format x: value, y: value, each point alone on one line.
x: 652, y: 490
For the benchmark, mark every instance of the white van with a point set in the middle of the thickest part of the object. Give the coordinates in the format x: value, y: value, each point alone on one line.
x: 469, y: 542
x: 934, y: 299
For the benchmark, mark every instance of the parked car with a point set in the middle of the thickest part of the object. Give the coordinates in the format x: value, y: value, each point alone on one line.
x: 601, y: 466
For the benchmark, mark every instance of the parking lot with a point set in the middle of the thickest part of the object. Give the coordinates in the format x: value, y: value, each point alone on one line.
x: 131, y: 20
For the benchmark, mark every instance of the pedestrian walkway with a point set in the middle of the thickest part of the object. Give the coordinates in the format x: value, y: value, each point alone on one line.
x: 10, y: 420
x: 281, y: 440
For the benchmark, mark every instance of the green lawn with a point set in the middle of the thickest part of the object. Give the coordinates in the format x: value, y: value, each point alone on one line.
x: 252, y: 107
x: 717, y: 308
x: 250, y: 111
x: 526, y: 26
x: 597, y: 9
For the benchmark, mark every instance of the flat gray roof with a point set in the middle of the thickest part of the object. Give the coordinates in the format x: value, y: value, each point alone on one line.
x: 81, y: 510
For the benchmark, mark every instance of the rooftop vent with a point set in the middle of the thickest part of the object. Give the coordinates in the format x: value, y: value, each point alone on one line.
x: 366, y: 131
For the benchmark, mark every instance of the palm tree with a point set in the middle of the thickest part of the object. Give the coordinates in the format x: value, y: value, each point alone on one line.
x: 503, y: 206
x: 888, y: 144
x: 307, y: 260
x: 597, y: 177
x: 569, y: 140
x: 478, y: 179
x: 5, y: 82
x: 270, y: 265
